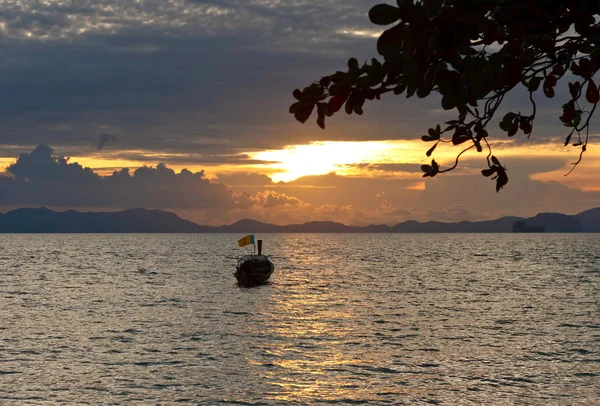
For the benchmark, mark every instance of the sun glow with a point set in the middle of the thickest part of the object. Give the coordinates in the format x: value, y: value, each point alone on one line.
x: 320, y: 158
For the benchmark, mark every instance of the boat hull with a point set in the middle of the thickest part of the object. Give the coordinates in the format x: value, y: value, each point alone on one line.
x: 254, y: 271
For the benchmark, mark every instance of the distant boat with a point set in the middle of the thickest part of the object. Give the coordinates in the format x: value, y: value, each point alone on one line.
x: 254, y: 269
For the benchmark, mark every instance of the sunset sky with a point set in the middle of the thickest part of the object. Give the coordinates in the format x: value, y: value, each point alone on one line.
x: 182, y: 105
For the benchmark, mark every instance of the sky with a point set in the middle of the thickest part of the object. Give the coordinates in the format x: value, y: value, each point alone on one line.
x: 182, y: 105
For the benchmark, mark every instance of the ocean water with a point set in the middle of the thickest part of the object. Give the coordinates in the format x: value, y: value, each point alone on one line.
x: 347, y: 319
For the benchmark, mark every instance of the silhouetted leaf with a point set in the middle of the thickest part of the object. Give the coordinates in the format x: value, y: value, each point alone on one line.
x: 534, y: 84
x: 591, y: 94
x: 321, y: 111
x: 526, y: 126
x: 423, y: 91
x: 337, y: 101
x: 501, y: 180
x: 549, y: 92
x: 399, y: 89
x: 495, y: 160
x: 384, y: 14
x: 325, y: 81
x: 294, y: 107
x: 568, y: 112
x: 568, y: 139
x: 338, y: 77
x: 574, y: 89
x: 448, y: 102
x: 349, y: 107
x: 321, y: 120
x: 488, y: 172
x: 304, y: 111
x: 430, y: 150
x: 514, y: 127
x: 459, y: 138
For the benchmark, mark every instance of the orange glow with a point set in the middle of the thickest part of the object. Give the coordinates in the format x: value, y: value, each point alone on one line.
x: 320, y: 158
x: 5, y: 163
x: 346, y: 158
x: 419, y: 186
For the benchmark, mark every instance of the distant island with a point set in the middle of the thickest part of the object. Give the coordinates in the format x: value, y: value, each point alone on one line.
x: 522, y: 227
x: 44, y: 220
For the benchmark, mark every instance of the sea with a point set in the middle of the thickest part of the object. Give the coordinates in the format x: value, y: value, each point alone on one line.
x: 348, y: 319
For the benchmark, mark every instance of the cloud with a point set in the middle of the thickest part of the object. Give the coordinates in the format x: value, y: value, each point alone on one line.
x: 209, y: 77
x: 198, y: 81
x: 105, y: 139
x: 454, y: 213
x: 399, y: 167
x: 281, y: 208
x: 38, y: 178
x: 245, y: 179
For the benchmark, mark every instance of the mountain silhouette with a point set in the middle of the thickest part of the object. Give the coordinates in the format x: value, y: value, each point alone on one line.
x: 128, y: 221
x: 43, y: 220
x: 590, y: 220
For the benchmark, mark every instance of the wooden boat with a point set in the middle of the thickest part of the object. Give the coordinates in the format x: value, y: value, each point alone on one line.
x: 254, y: 270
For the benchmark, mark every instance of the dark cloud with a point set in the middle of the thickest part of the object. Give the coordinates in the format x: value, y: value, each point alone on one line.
x: 189, y: 159
x: 104, y: 140
x: 453, y: 213
x: 412, y: 168
x: 41, y: 179
x: 245, y: 179
x: 166, y: 73
x: 210, y: 79
x: 207, y: 77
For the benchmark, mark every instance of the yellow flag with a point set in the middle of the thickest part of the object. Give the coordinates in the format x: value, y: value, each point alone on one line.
x: 247, y: 240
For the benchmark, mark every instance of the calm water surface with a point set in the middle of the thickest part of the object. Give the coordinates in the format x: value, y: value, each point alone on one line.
x: 362, y: 319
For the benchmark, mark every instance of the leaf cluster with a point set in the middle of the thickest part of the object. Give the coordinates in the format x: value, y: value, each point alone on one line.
x: 472, y: 53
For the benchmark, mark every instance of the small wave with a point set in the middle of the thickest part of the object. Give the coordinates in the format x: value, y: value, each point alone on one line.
x: 146, y: 271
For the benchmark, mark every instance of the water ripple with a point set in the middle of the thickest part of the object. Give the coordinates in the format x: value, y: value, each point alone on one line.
x: 346, y: 319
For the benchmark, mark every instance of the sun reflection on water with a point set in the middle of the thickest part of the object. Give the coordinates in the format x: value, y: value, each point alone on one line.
x: 317, y: 349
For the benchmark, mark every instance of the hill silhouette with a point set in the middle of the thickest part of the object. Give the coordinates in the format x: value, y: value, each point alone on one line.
x: 590, y: 220
x: 43, y: 220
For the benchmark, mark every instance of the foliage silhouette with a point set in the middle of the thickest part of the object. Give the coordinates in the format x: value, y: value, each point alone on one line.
x: 473, y: 53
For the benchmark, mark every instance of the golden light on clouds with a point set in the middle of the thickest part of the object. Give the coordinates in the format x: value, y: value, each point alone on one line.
x: 5, y: 163
x: 320, y: 158
x: 359, y: 32
x: 365, y: 159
